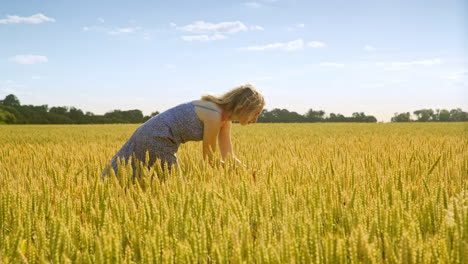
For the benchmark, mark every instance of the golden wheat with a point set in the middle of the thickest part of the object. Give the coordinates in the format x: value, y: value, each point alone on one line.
x: 312, y: 193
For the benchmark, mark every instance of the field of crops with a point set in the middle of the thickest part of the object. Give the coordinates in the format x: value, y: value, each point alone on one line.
x: 312, y: 193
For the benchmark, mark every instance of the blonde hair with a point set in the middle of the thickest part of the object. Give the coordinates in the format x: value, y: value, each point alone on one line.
x: 244, y: 99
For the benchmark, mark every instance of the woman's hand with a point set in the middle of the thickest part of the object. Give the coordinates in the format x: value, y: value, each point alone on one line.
x: 239, y: 163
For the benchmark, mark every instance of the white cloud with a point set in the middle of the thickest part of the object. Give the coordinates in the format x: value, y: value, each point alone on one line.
x: 265, y: 47
x: 332, y: 64
x: 369, y: 48
x: 252, y: 4
x: 210, y: 31
x: 100, y: 19
x: 34, y: 19
x: 256, y: 28
x: 294, y: 45
x: 113, y: 31
x: 172, y: 24
x: 398, y: 65
x: 296, y: 27
x: 288, y: 46
x: 316, y: 44
x: 201, y: 27
x: 96, y: 29
x: 124, y: 30
x: 203, y: 38
x: 28, y: 59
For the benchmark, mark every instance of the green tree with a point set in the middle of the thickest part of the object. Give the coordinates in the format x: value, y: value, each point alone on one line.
x: 11, y: 100
x: 457, y: 115
x: 76, y: 115
x: 265, y: 117
x: 403, y: 117
x: 59, y: 110
x: 336, y: 118
x: 314, y: 116
x: 7, y: 117
x: 444, y: 115
x: 424, y: 115
x: 129, y: 116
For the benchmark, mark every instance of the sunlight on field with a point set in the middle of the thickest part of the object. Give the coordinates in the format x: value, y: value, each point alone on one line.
x: 334, y: 193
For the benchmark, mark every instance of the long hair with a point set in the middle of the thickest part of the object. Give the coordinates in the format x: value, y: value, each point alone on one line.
x: 239, y: 101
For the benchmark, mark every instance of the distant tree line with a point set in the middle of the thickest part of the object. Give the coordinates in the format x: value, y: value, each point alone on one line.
x: 284, y: 116
x: 12, y: 112
x: 429, y: 115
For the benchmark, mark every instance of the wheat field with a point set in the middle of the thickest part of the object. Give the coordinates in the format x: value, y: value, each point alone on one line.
x: 311, y: 193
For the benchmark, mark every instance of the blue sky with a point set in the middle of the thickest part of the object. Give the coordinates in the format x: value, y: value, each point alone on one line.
x: 377, y: 57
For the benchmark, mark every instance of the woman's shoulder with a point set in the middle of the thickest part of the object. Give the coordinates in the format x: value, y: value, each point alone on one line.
x: 207, y: 111
x: 207, y: 105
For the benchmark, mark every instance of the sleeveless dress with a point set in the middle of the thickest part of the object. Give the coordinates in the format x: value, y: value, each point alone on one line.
x: 162, y: 135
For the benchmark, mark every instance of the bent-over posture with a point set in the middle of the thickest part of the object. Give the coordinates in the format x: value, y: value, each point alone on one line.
x: 209, y: 119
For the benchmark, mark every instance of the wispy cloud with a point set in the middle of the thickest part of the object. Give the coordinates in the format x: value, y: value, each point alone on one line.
x: 202, y: 27
x: 213, y: 31
x: 287, y: 46
x: 38, y: 77
x: 252, y: 4
x: 203, y: 38
x: 123, y: 30
x: 295, y: 27
x: 145, y: 33
x: 332, y: 64
x: 34, y: 19
x: 369, y: 48
x: 316, y: 44
x: 256, y: 28
x: 100, y: 19
x: 28, y: 59
x: 114, y: 30
x: 95, y: 29
x: 404, y: 65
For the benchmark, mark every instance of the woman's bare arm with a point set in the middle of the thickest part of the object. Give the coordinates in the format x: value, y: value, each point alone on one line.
x: 225, y: 145
x: 224, y: 140
x: 211, y: 124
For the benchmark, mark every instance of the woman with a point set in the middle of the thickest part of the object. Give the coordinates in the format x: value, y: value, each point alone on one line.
x: 209, y: 119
